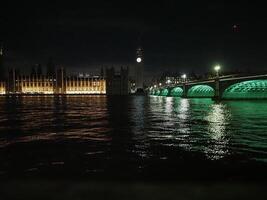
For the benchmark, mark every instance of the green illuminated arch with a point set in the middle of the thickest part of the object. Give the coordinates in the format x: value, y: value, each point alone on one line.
x: 157, y: 92
x: 164, y: 92
x: 176, y: 92
x: 254, y: 89
x: 201, y: 91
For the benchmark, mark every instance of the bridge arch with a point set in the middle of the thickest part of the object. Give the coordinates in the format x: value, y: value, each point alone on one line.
x: 157, y: 92
x: 204, y: 91
x: 176, y: 92
x: 164, y: 92
x: 253, y: 89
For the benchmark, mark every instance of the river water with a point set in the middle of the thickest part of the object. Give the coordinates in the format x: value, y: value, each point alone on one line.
x: 132, y: 137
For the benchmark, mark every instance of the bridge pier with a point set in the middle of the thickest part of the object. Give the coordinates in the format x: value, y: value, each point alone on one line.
x: 184, y: 91
x: 217, y: 95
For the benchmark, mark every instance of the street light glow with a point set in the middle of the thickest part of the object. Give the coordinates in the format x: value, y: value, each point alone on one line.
x: 139, y: 60
x: 184, y: 76
x: 217, y: 68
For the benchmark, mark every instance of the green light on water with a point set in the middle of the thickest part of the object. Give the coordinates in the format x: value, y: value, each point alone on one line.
x: 254, y: 89
x: 201, y: 91
x: 176, y: 92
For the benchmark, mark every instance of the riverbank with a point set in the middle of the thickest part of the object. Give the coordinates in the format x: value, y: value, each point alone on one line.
x: 127, y: 190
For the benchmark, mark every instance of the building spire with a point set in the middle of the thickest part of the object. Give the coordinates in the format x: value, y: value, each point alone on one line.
x: 1, y: 50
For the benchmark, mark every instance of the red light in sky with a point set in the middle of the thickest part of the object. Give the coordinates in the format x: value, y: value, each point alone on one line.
x: 236, y: 28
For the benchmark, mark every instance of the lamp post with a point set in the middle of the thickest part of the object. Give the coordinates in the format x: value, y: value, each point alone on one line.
x: 184, y: 77
x: 217, y: 82
x: 184, y: 81
x: 217, y: 69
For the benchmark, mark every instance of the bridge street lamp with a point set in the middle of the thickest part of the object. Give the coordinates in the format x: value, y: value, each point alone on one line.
x: 217, y: 69
x: 184, y: 81
x: 217, y: 82
x: 184, y: 77
x: 168, y: 81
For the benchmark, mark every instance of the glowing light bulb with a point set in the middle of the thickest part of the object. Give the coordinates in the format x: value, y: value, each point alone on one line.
x: 139, y: 60
x: 217, y: 67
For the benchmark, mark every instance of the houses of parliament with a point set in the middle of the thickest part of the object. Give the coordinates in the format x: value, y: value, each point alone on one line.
x: 56, y: 81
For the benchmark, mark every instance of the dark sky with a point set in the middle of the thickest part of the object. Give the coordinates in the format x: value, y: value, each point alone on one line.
x: 176, y: 35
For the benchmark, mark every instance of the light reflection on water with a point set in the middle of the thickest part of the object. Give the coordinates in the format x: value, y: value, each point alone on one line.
x: 216, y: 129
x: 26, y: 119
x: 217, y: 119
x: 131, y: 130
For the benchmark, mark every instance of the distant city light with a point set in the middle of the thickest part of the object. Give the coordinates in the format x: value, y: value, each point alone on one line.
x: 160, y: 84
x: 184, y: 76
x: 155, y: 86
x: 168, y: 81
x: 139, y: 60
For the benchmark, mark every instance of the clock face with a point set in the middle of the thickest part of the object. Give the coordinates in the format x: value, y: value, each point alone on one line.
x: 139, y: 60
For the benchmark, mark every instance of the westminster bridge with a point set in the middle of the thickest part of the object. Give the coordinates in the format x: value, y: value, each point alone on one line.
x: 242, y: 87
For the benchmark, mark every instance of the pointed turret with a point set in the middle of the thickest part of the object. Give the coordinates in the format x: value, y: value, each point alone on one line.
x: 2, y: 69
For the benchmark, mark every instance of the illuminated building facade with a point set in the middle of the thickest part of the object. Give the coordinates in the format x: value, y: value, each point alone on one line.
x: 85, y: 85
x: 58, y: 84
x: 2, y: 87
x: 34, y: 85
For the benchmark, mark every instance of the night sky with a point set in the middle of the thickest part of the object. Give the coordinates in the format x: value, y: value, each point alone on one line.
x: 176, y: 35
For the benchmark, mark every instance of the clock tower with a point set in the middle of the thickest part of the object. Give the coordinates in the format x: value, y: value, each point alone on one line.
x: 139, y: 69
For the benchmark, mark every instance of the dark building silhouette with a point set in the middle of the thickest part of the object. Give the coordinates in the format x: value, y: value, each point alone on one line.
x: 117, y: 83
x: 11, y: 82
x: 36, y: 70
x: 39, y: 70
x: 33, y: 71
x: 102, y: 74
x: 51, y: 68
x: 60, y: 81
x: 2, y: 69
